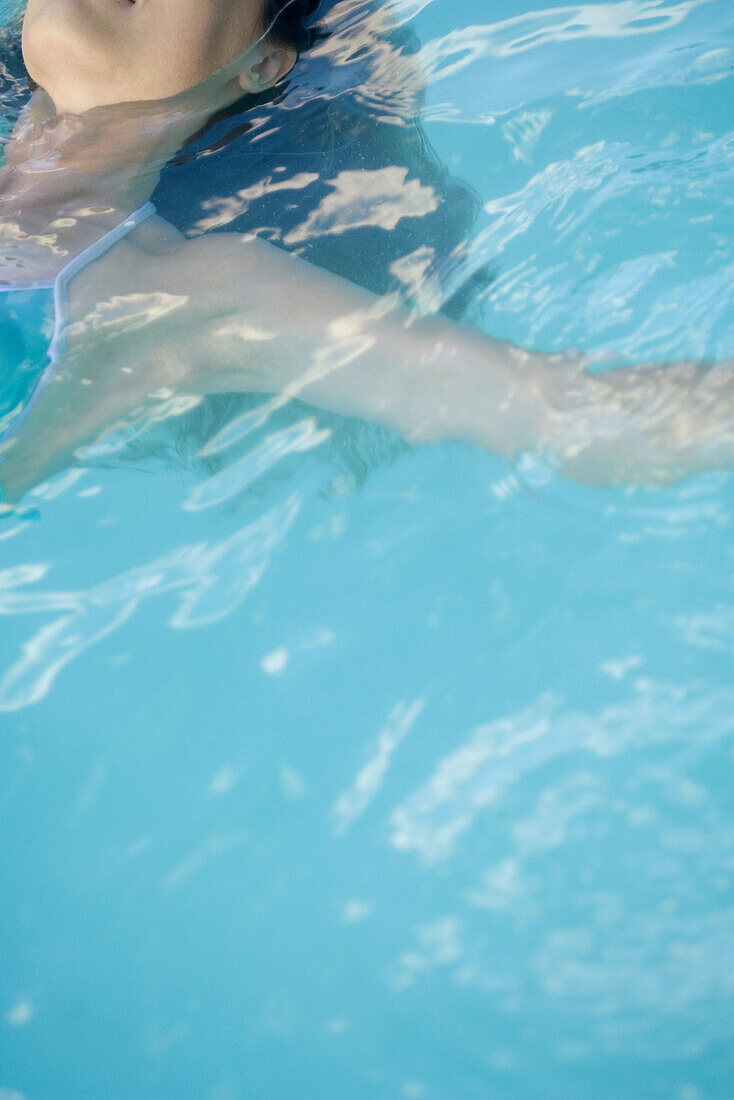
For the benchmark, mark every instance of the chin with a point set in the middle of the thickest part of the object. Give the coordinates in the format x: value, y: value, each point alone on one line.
x: 63, y: 51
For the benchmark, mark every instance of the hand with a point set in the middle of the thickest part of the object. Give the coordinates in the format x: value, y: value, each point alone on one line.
x: 651, y: 424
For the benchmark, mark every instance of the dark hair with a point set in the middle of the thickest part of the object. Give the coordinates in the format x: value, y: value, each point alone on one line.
x: 290, y: 22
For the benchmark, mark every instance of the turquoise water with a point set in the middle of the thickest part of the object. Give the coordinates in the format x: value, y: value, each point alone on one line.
x: 417, y: 785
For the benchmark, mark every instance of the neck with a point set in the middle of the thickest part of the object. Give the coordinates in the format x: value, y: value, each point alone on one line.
x: 67, y: 178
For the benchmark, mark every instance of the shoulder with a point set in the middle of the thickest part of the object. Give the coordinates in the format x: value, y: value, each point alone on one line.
x: 157, y: 236
x: 208, y: 265
x: 154, y: 235
x: 157, y: 256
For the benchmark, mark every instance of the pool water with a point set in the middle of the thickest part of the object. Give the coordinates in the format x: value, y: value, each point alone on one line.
x: 415, y: 785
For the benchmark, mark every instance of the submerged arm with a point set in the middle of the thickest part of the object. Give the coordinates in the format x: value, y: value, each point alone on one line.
x: 241, y: 315
x: 336, y: 346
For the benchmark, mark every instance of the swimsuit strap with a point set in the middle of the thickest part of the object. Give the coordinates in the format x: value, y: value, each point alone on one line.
x: 57, y: 347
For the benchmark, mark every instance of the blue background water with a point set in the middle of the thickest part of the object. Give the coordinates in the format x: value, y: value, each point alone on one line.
x: 422, y: 788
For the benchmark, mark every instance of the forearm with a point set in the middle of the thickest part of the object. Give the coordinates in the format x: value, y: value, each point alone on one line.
x: 430, y: 382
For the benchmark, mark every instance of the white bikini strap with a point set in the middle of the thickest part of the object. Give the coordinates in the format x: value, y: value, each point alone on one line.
x: 57, y: 347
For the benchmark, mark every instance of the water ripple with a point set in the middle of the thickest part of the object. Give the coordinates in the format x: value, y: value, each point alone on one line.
x: 474, y: 777
x: 446, y: 56
x: 211, y: 580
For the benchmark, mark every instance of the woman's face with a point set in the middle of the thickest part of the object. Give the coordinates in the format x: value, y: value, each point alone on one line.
x: 88, y: 53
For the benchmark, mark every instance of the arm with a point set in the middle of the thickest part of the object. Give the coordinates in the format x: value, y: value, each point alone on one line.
x: 334, y: 345
x: 247, y: 317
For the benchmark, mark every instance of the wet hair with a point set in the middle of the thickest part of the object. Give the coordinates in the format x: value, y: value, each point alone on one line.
x: 291, y: 23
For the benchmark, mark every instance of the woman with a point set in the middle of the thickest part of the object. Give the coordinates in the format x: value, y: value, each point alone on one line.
x: 138, y: 309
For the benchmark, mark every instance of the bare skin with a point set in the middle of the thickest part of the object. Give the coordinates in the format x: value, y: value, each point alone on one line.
x: 225, y: 313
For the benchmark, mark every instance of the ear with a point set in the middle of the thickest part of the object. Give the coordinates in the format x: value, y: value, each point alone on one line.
x: 269, y: 64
